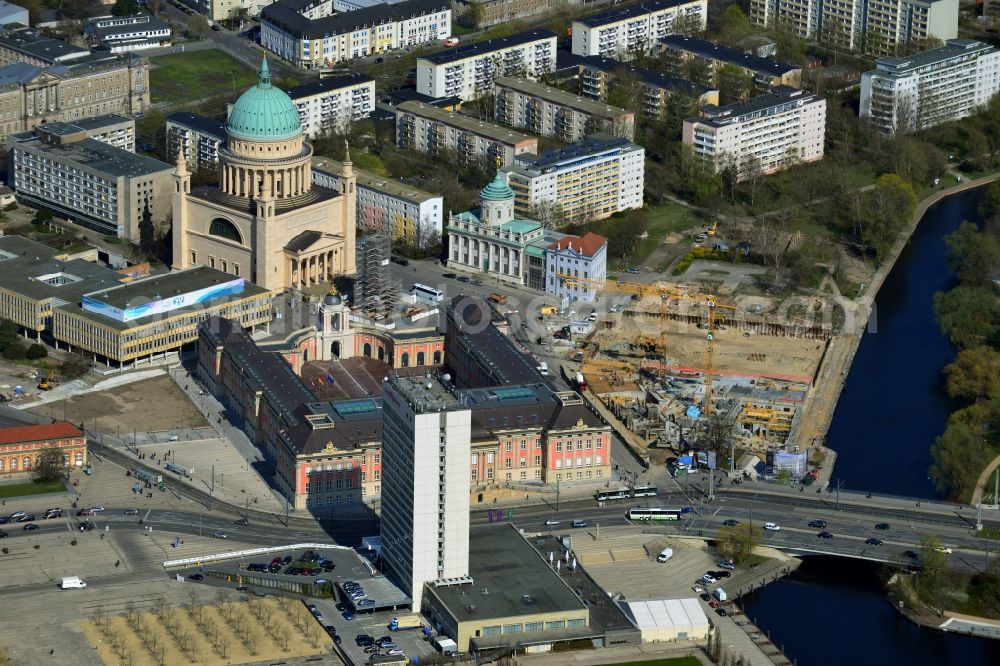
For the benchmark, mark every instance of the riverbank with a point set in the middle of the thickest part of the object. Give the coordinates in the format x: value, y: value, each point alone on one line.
x: 944, y: 620
x: 821, y: 402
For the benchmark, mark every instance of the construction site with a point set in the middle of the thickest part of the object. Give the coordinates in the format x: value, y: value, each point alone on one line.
x: 674, y: 360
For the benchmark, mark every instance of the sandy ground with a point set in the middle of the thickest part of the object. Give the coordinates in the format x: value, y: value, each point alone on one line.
x: 258, y: 630
x: 735, y: 353
x: 156, y: 404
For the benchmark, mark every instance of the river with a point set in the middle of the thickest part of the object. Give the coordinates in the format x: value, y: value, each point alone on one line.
x: 833, y: 611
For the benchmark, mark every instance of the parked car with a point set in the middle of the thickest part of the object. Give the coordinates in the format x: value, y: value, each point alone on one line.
x: 449, y: 276
x: 196, y: 576
x: 4, y: 520
x: 348, y: 615
x: 708, y: 579
x: 721, y: 612
x: 364, y: 640
x: 633, y: 270
x: 366, y: 603
x: 726, y: 564
x: 242, y: 588
x: 3, y: 534
x: 464, y: 278
x: 26, y: 518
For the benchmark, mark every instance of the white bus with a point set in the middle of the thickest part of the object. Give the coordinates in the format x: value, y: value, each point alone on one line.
x: 423, y: 292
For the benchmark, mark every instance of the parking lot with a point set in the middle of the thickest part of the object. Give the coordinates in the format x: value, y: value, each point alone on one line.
x: 343, y: 614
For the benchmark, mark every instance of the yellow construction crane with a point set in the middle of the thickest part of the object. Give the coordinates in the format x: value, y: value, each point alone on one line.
x: 669, y: 294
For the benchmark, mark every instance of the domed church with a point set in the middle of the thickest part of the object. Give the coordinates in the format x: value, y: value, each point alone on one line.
x: 265, y: 220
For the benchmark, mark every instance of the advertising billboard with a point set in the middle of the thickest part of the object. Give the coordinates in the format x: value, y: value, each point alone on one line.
x: 148, y: 308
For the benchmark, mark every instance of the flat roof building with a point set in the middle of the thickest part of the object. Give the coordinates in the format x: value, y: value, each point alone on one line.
x: 319, y: 33
x: 93, y: 184
x: 930, y: 87
x: 38, y: 279
x: 552, y: 112
x: 767, y: 134
x: 159, y: 314
x: 122, y: 34
x: 28, y: 45
x: 652, y: 90
x: 11, y: 13
x: 111, y: 129
x: 428, y: 129
x: 100, y: 84
x: 468, y: 71
x: 765, y: 73
x: 589, y: 180
x: 387, y: 206
x: 879, y: 25
x: 199, y: 136
x: 332, y: 104
x: 513, y: 598
x: 426, y: 436
x: 623, y: 31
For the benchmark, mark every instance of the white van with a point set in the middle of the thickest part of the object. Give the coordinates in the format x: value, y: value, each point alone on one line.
x: 665, y: 555
x: 719, y: 594
x: 72, y: 583
x: 543, y: 368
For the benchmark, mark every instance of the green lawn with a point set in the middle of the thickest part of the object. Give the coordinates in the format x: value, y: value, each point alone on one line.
x: 183, y: 77
x: 31, y: 488
x: 676, y: 661
x: 663, y: 219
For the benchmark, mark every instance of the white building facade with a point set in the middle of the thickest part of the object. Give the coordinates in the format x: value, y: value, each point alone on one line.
x: 469, y: 71
x: 589, y: 180
x: 122, y: 34
x: 764, y: 135
x: 872, y: 25
x: 426, y: 458
x: 583, y: 257
x: 386, y: 206
x: 620, y: 32
x: 330, y: 105
x: 929, y: 88
x: 428, y: 129
x: 313, y: 34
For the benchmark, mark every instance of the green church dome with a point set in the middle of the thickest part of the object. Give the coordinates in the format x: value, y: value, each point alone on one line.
x: 264, y: 112
x: 498, y: 190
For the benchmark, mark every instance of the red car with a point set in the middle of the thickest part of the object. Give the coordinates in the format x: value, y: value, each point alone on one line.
x: 713, y: 603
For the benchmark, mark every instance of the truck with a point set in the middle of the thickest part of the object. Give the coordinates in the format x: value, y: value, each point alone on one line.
x: 719, y: 594
x: 499, y: 299
x: 47, y: 383
x: 72, y: 583
x: 581, y: 382
x: 404, y: 622
x: 445, y: 645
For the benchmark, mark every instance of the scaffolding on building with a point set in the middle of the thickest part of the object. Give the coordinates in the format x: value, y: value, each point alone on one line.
x: 376, y: 294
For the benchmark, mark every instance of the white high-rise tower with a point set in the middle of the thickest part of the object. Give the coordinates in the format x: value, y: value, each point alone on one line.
x: 425, y: 483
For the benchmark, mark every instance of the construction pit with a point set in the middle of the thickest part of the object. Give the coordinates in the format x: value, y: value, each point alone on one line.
x: 649, y: 364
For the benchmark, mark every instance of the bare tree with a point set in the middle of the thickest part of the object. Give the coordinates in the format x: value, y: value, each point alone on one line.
x: 251, y: 640
x: 771, y: 243
x: 222, y: 646
x: 752, y: 173
x: 282, y: 636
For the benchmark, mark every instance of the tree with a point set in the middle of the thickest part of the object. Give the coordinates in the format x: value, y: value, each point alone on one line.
x: 125, y: 7
x: 990, y: 205
x: 932, y: 569
x: 975, y: 373
x: 75, y: 365
x: 883, y: 211
x: 733, y: 25
x: 473, y: 14
x: 973, y: 255
x: 197, y: 26
x: 8, y: 333
x: 50, y: 464
x: 15, y: 351
x: 738, y: 541
x: 752, y: 172
x: 960, y: 453
x: 735, y: 84
x: 969, y: 316
x: 35, y: 352
x: 549, y: 214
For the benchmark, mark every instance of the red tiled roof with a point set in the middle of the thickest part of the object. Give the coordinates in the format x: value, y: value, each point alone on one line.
x: 587, y: 246
x: 38, y: 433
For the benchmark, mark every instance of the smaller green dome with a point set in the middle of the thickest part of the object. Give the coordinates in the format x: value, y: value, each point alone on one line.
x: 264, y: 112
x: 498, y: 190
